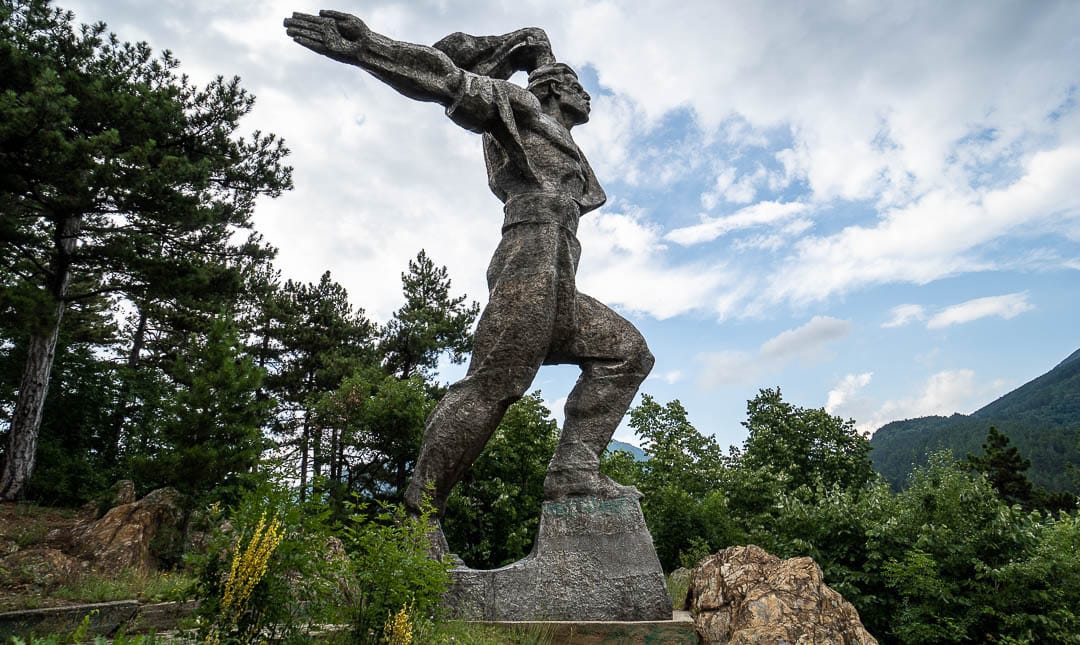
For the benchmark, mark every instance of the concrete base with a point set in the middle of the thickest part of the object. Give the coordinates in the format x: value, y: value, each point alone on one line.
x: 677, y: 631
x: 593, y: 560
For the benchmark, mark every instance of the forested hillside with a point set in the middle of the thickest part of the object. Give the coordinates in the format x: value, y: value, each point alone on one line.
x: 1041, y: 418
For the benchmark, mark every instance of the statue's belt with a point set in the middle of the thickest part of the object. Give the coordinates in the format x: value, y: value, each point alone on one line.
x: 542, y: 208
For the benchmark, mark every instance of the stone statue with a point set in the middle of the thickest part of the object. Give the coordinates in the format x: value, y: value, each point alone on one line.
x: 593, y: 558
x: 535, y: 315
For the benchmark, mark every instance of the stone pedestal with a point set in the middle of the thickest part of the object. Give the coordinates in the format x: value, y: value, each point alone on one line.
x: 593, y: 560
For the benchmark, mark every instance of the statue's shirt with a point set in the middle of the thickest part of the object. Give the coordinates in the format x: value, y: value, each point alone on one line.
x: 526, y: 150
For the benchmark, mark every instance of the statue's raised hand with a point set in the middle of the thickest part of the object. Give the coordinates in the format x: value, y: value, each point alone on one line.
x: 334, y: 34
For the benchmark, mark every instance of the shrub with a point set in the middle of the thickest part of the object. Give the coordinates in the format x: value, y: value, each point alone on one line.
x: 391, y: 569
x: 270, y: 567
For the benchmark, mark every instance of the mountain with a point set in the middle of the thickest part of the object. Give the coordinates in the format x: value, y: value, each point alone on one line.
x: 638, y: 453
x: 1041, y: 418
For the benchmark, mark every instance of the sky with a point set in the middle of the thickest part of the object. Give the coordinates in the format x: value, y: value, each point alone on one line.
x: 874, y: 206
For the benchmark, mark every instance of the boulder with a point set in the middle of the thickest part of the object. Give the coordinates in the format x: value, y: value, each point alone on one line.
x: 744, y: 595
x: 134, y: 535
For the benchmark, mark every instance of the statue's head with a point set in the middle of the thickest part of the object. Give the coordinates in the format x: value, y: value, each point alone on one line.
x: 560, y: 81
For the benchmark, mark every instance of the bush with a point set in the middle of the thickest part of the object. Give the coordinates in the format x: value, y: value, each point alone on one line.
x: 278, y: 554
x: 391, y: 570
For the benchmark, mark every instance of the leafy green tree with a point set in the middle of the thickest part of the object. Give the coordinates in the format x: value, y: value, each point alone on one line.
x: 804, y: 447
x: 430, y: 324
x: 374, y: 423
x: 679, y: 455
x: 212, y: 435
x: 683, y: 504
x: 494, y: 513
x: 113, y: 157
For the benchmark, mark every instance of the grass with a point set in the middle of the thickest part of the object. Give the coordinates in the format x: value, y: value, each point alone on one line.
x: 128, y: 584
x: 456, y: 632
x: 677, y: 587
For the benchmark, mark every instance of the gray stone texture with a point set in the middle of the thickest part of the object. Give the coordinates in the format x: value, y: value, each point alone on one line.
x: 593, y: 560
x: 535, y: 314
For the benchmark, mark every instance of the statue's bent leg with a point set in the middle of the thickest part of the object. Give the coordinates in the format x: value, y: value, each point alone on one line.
x: 614, y: 360
x: 511, y: 341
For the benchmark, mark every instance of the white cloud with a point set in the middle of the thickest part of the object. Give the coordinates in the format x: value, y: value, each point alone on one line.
x: 843, y: 392
x: 671, y: 377
x: 760, y: 214
x: 1005, y: 306
x: 901, y: 315
x: 806, y: 342
x: 741, y: 190
x: 943, y: 233
x: 943, y: 393
x: 728, y: 368
x: 807, y: 339
x: 623, y: 265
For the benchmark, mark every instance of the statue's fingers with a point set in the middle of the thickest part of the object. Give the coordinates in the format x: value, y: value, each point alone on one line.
x: 337, y: 15
x: 304, y: 32
x: 317, y: 46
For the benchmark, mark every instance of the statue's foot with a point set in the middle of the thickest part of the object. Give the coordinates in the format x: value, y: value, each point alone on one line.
x: 438, y: 549
x: 577, y: 482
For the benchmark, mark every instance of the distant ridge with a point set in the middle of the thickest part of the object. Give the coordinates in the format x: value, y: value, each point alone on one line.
x: 1041, y: 418
x: 638, y: 453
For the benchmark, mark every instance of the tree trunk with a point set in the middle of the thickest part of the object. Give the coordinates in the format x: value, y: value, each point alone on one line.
x: 125, y: 403
x: 41, y: 350
x: 303, y: 460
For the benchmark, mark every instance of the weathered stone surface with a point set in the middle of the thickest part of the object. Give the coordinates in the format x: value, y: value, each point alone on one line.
x: 38, y: 567
x: 105, y: 619
x: 593, y: 560
x: 535, y: 314
x: 744, y: 595
x: 123, y: 492
x: 127, y: 535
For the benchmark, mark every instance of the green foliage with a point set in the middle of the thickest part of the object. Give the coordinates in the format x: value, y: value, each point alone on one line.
x: 679, y: 481
x: 1040, y: 418
x: 430, y: 324
x: 391, y: 568
x: 211, y: 436
x: 129, y: 181
x: 312, y: 338
x: 493, y: 515
x: 679, y: 455
x: 804, y: 447
x: 1004, y: 468
x: 373, y: 424
x: 307, y: 553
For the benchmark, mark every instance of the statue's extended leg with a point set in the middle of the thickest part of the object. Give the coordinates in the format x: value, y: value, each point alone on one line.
x: 614, y: 361
x: 511, y: 342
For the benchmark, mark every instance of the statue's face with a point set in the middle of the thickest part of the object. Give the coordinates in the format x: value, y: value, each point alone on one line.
x: 574, y: 100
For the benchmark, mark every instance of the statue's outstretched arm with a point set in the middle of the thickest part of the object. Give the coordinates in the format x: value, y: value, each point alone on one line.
x: 417, y: 71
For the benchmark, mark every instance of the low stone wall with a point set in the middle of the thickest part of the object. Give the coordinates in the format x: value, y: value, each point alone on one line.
x: 106, y: 618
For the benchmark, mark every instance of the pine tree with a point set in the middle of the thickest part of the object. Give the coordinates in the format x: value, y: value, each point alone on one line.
x: 113, y: 166
x: 319, y: 340
x: 212, y: 432
x: 430, y: 323
x: 1004, y: 467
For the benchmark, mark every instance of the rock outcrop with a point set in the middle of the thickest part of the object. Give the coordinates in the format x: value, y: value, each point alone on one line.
x: 743, y: 595
x: 134, y: 535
